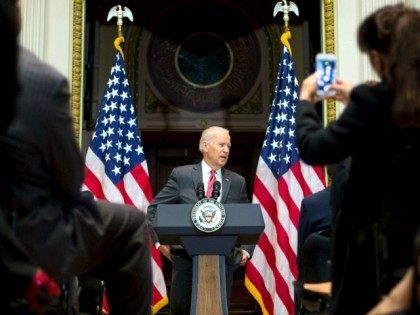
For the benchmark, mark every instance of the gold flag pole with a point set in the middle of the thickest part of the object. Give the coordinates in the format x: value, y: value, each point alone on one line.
x: 119, y: 13
x: 283, y: 6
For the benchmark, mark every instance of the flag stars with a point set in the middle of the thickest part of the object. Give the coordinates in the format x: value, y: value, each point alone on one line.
x: 130, y: 135
x: 272, y: 158
x: 116, y: 170
x: 114, y: 93
x: 139, y: 150
x: 283, y: 117
x: 117, y: 68
x: 124, y: 95
x: 111, y: 119
x: 282, y: 130
x: 116, y: 139
x: 106, y: 108
x: 285, y: 104
x: 276, y: 131
x: 132, y: 122
x: 117, y: 157
x: 292, y: 120
x: 110, y: 131
x: 113, y: 105
x: 126, y: 160
x: 102, y: 147
x: 123, y: 108
x: 278, y: 147
x: 275, y: 144
x: 109, y: 144
x: 127, y: 148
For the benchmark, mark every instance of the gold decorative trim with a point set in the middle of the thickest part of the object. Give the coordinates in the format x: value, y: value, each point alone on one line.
x: 77, y: 66
x: 329, y: 48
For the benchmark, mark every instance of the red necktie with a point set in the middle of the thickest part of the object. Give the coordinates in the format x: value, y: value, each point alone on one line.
x: 212, y: 179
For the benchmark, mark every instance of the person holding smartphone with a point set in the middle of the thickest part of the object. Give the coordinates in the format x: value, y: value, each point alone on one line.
x: 380, y: 130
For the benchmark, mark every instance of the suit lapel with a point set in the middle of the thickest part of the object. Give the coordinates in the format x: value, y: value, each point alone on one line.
x: 197, y: 175
x: 225, y: 186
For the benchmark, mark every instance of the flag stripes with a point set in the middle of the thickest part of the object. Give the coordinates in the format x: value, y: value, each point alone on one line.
x: 281, y: 182
x: 116, y: 168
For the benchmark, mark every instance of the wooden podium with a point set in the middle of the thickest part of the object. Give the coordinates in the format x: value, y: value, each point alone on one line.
x: 243, y: 226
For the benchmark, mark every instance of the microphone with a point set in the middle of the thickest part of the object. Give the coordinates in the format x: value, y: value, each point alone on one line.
x: 216, y: 190
x: 200, y: 191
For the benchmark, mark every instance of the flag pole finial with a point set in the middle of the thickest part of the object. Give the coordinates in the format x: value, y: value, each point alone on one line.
x: 119, y: 13
x: 283, y: 6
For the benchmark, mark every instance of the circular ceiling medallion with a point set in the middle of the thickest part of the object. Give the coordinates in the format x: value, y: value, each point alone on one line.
x: 203, y: 59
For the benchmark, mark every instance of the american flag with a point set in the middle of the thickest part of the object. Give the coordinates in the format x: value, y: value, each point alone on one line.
x: 115, y: 167
x: 281, y: 182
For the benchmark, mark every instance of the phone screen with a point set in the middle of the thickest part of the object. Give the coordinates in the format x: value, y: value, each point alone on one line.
x: 326, y: 71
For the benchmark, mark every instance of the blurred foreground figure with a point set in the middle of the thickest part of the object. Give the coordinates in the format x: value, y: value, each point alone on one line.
x: 380, y: 130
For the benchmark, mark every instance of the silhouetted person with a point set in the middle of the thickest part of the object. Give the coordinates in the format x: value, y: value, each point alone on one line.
x: 380, y: 130
x: 65, y: 231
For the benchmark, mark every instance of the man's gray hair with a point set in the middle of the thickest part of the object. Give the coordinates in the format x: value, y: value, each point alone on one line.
x: 209, y: 133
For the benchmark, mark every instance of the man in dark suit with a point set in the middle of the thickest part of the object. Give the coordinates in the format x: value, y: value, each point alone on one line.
x: 19, y: 275
x: 315, y: 216
x: 65, y: 231
x: 182, y: 188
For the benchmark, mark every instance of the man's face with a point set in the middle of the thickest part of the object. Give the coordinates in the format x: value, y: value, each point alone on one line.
x: 216, y: 151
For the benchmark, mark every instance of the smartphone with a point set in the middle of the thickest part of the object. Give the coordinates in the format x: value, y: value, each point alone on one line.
x: 326, y: 73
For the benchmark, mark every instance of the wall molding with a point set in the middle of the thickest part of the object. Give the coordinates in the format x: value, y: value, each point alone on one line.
x: 77, y: 69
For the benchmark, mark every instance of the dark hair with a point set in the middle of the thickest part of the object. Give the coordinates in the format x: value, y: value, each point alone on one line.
x: 376, y: 31
x: 404, y: 70
x: 394, y: 31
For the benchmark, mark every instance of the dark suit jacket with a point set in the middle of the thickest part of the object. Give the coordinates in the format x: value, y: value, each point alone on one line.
x: 47, y: 161
x: 44, y: 171
x: 182, y: 188
x: 16, y: 267
x: 64, y: 230
x: 315, y: 216
x: 379, y: 193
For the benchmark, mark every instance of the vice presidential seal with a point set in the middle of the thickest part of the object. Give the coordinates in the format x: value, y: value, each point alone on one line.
x: 208, y: 215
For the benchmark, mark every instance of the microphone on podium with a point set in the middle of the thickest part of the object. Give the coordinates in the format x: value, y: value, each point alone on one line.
x: 216, y: 190
x: 200, y: 191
